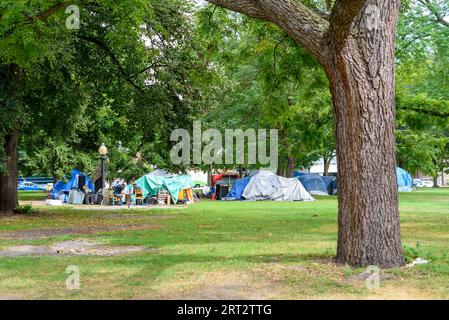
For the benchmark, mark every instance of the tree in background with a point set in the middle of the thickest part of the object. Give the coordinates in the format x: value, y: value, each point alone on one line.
x: 422, y: 90
x: 269, y: 82
x: 126, y: 77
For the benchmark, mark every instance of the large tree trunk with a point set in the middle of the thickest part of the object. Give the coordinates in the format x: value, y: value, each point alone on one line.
x: 8, y: 182
x: 362, y: 82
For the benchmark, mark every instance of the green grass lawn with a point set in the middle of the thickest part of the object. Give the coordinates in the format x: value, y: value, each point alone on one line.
x: 32, y: 195
x: 222, y: 250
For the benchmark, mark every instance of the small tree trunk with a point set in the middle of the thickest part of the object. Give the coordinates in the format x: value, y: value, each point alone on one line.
x: 326, y: 164
x: 209, y: 176
x: 8, y: 181
x: 435, y: 182
x: 281, y: 171
x: 362, y: 84
x: 290, y: 167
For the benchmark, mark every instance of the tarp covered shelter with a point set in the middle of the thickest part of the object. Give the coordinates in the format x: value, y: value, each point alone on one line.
x: 160, y: 173
x: 237, y: 188
x: 265, y: 185
x: 298, y: 174
x: 405, y: 181
x: 77, y: 181
x: 313, y: 183
x: 331, y: 184
x: 151, y: 184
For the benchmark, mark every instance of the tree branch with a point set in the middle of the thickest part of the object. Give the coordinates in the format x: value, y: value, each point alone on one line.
x: 423, y: 105
x: 114, y: 59
x: 427, y: 112
x: 431, y: 7
x: 43, y: 16
x: 248, y: 7
x: 151, y: 66
x: 275, y: 51
x: 410, y: 42
x: 300, y: 22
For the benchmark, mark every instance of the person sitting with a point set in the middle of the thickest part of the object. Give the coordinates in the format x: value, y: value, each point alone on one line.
x: 119, y: 192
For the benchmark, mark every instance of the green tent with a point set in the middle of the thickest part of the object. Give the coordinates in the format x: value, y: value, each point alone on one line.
x: 152, y: 184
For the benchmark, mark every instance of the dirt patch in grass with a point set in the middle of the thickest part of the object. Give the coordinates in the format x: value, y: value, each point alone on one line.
x: 228, y: 291
x: 361, y: 278
x: 124, y: 207
x: 35, y: 234
x: 122, y: 216
x: 71, y: 248
x: 395, y: 290
x: 220, y: 285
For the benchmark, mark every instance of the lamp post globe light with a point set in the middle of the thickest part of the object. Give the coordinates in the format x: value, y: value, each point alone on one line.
x: 103, y: 151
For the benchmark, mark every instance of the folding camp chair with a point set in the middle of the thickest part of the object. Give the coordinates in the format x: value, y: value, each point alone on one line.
x: 113, y: 199
x: 138, y: 196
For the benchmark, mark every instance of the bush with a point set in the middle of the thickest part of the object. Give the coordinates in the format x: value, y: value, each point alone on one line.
x: 25, y: 209
x: 411, y: 253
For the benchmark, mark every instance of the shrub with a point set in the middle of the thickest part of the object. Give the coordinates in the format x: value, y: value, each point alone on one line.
x: 413, y: 252
x: 25, y: 209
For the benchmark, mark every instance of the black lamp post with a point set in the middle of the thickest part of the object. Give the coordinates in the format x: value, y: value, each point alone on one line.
x: 103, y: 151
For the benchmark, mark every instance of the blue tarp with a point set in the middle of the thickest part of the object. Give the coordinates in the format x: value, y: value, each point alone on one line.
x: 58, y: 187
x: 237, y: 188
x: 334, y: 187
x: 61, y: 187
x: 298, y: 174
x: 405, y: 181
x: 313, y: 183
x: 331, y: 184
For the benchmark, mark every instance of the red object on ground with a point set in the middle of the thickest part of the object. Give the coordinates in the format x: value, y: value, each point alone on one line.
x: 215, y: 178
x: 218, y: 177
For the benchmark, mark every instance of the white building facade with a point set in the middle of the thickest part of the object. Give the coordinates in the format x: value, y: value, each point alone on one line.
x: 318, y: 167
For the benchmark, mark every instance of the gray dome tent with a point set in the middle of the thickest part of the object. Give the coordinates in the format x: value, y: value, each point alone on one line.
x: 265, y: 185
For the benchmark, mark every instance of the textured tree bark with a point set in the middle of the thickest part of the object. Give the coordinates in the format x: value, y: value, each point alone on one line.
x: 326, y: 164
x: 8, y: 182
x: 368, y: 221
x: 435, y: 182
x: 361, y: 75
x: 281, y: 171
